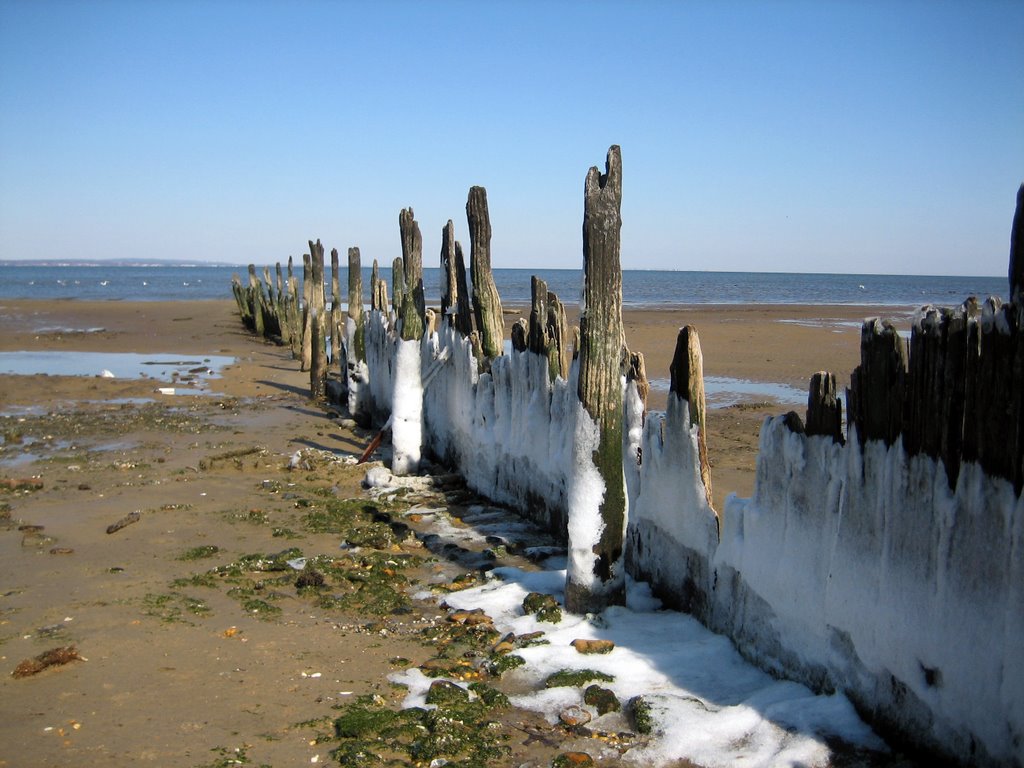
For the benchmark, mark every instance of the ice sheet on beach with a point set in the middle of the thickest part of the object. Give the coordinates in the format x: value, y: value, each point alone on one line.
x: 709, y: 705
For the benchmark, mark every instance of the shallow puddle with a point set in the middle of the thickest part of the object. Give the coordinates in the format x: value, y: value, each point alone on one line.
x: 118, y: 365
x: 724, y: 391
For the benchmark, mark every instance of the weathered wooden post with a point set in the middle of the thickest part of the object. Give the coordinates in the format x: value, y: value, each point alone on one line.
x: 255, y: 305
x: 597, y: 498
x: 463, y: 307
x: 397, y: 285
x: 318, y: 324
x: 687, y: 383
x: 560, y: 352
x: 335, y: 325
x: 878, y: 384
x: 1017, y: 252
x: 407, y: 395
x: 486, y: 301
x: 449, y: 278
x: 824, y: 408
x: 538, y: 337
x: 355, y: 342
x: 307, y: 297
x: 294, y: 314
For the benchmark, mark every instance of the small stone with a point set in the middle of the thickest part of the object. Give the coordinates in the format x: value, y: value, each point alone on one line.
x: 572, y: 760
x: 574, y: 716
x: 471, y: 618
x: 446, y: 692
x: 544, y: 607
x: 602, y: 699
x: 593, y: 646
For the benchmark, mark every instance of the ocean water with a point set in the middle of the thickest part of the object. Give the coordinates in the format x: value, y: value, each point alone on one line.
x: 639, y: 287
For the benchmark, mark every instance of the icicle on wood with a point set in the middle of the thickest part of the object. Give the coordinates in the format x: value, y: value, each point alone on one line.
x: 595, y: 576
x: 687, y: 383
x: 824, y: 408
x: 486, y: 301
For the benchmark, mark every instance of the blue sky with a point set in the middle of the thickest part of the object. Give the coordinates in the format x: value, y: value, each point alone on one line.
x: 779, y: 136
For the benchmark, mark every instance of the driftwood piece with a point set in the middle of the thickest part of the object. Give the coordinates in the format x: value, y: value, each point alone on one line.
x: 486, y: 301
x: 687, y: 382
x: 55, y: 657
x: 599, y: 389
x: 824, y: 408
x: 413, y: 311
x: 124, y: 522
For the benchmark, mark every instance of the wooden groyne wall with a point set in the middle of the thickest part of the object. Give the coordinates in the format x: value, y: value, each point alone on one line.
x: 885, y: 561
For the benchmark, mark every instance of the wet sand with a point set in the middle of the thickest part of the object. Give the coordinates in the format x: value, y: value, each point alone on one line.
x: 179, y: 673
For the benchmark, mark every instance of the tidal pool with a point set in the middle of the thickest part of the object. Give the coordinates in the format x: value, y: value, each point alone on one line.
x: 119, y: 365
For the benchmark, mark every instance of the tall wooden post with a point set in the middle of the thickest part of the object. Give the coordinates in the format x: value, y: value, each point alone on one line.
x: 463, y: 308
x: 413, y: 307
x: 294, y: 314
x: 1017, y: 252
x: 486, y: 301
x: 336, y: 311
x: 397, y: 285
x: 597, y: 504
x: 357, y: 347
x: 317, y: 324
x: 687, y: 383
x: 449, y: 278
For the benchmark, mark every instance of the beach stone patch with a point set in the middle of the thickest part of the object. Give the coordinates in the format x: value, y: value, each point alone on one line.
x: 446, y: 692
x: 602, y: 699
x: 545, y: 607
x: 593, y: 646
x: 572, y: 760
x: 574, y: 716
x: 472, y: 618
x: 574, y: 678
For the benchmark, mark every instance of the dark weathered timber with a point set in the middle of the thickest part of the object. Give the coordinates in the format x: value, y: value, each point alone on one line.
x: 242, y: 300
x: 560, y: 350
x: 537, y: 337
x: 355, y: 306
x: 450, y: 283
x: 998, y: 400
x: 686, y: 381
x: 486, y: 301
x: 602, y: 339
x: 463, y: 305
x: 413, y: 313
x: 335, y: 321
x: 519, y: 334
x: 921, y: 414
x: 954, y: 383
x: 824, y: 408
x: 878, y: 384
x: 307, y: 297
x: 374, y: 279
x: 318, y: 324
x: 397, y: 285
x: 1017, y: 251
x: 255, y: 305
x: 294, y: 312
x: 636, y: 372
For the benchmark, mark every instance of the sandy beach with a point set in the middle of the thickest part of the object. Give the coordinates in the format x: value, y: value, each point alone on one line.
x: 191, y: 660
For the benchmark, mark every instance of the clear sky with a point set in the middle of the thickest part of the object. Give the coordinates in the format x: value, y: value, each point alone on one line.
x: 777, y: 136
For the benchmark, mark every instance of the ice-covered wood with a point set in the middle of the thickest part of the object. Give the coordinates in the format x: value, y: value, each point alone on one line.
x: 538, y: 336
x: 335, y: 324
x: 687, y: 383
x: 486, y: 301
x: 463, y: 305
x: 561, y: 350
x: 449, y: 276
x: 355, y: 304
x: 595, y: 577
x: 878, y: 384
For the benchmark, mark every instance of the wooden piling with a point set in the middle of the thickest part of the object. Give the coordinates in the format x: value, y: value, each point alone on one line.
x: 1017, y: 252
x: 486, y: 301
x: 357, y: 352
x: 397, y: 285
x: 307, y: 296
x: 686, y: 381
x: 600, y: 392
x: 318, y: 324
x: 561, y: 350
x: 824, y: 408
x: 463, y: 305
x: 335, y: 316
x: 413, y: 312
x: 877, y: 386
x: 449, y: 278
